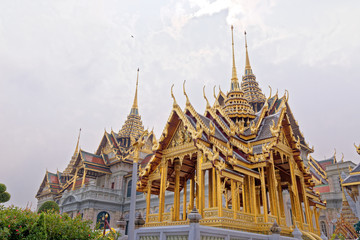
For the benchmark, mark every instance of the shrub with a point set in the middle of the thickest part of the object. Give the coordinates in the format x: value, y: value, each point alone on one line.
x: 4, y: 196
x: 49, y: 206
x: 16, y: 223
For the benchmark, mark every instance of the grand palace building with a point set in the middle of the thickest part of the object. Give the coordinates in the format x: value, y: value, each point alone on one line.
x: 243, y: 163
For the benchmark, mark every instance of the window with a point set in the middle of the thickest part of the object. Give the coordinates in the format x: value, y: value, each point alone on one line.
x: 323, y: 228
x: 128, y: 193
x: 112, y: 185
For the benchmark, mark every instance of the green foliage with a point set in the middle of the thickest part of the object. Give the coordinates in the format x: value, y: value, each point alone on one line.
x: 357, y: 229
x: 16, y: 223
x: 4, y: 196
x: 49, y: 206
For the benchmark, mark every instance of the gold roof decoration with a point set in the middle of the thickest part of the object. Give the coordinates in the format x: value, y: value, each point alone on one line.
x: 357, y: 148
x: 250, y: 86
x: 133, y: 125
x: 236, y: 105
x: 70, y: 166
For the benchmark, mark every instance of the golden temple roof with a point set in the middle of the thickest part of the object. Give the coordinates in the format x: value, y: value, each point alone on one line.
x: 236, y: 105
x: 250, y: 86
x: 133, y: 126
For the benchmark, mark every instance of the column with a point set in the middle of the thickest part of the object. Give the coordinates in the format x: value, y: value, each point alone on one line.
x: 184, y: 200
x: 200, y: 184
x: 274, y: 190
x: 214, y: 191
x: 243, y: 195
x: 263, y: 194
x: 233, y: 198
x: 192, y: 191
x: 306, y: 202
x: 281, y: 200
x: 148, y: 199
x: 295, y: 196
x: 177, y: 168
x: 210, y: 188
x: 163, y: 174
x: 219, y: 195
x: 84, y: 177
x: 253, y: 196
x: 75, y: 177
x: 258, y: 204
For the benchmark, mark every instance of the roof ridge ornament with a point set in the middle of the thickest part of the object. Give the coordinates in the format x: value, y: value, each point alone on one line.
x: 207, y: 101
x: 173, y: 97
x: 187, y: 98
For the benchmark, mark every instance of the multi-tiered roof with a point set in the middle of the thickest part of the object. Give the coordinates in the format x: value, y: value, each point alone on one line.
x: 250, y: 86
x: 113, y: 148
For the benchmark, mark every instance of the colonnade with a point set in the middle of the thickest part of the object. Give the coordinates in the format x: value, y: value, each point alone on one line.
x: 257, y: 195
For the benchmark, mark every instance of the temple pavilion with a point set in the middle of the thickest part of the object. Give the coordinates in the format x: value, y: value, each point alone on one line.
x: 234, y: 163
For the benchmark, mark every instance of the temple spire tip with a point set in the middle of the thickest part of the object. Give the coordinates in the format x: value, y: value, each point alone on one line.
x: 234, y: 79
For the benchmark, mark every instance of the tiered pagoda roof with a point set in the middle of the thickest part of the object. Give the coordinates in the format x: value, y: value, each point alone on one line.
x: 133, y: 127
x: 250, y: 86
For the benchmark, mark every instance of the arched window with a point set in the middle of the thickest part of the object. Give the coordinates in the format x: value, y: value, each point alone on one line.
x: 323, y: 228
x: 101, y: 219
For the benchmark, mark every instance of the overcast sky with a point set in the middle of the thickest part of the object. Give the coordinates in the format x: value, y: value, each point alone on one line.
x: 67, y: 64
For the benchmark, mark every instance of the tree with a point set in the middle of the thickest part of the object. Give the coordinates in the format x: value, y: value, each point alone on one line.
x: 49, y: 206
x: 4, y: 196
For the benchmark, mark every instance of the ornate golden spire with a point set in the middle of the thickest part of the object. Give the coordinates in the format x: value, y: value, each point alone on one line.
x: 234, y: 78
x: 134, y: 108
x: 247, y: 61
x: 77, y: 144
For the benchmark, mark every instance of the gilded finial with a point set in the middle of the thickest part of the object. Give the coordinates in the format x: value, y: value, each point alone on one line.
x: 134, y: 108
x: 216, y: 97
x: 207, y: 102
x: 342, y: 157
x: 77, y: 144
x: 187, y: 98
x: 286, y: 95
x: 172, y: 95
x: 247, y: 61
x: 357, y: 148
x: 270, y: 92
x: 234, y: 79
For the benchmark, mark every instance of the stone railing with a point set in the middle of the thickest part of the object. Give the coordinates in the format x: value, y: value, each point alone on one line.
x: 195, y: 231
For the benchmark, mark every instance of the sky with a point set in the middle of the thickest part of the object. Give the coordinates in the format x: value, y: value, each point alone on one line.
x: 66, y: 65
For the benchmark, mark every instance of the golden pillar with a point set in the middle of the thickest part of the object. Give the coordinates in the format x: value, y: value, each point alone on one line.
x: 200, y: 185
x: 84, y: 177
x: 177, y: 167
x: 219, y: 194
x: 253, y: 196
x: 263, y: 194
x: 316, y: 214
x: 243, y: 196
x: 281, y: 199
x: 148, y: 199
x: 210, y: 188
x: 274, y: 190
x: 233, y: 198
x: 215, y: 189
x: 295, y: 197
x: 184, y: 200
x: 306, y: 202
x: 75, y: 177
x: 163, y: 174
x: 192, y: 191
x: 258, y: 204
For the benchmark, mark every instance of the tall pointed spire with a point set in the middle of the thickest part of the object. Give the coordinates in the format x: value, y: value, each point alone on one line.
x: 249, y: 85
x: 234, y: 78
x: 133, y: 125
x: 77, y: 144
x: 134, y: 108
x: 247, y: 61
